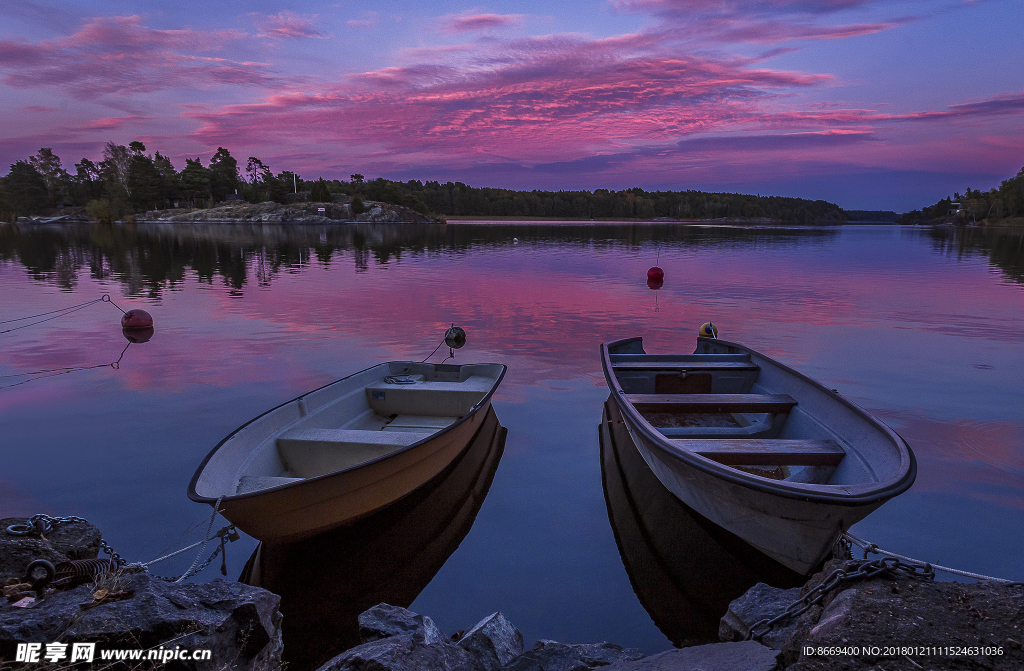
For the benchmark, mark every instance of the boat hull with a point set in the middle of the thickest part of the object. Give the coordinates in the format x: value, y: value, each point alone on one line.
x: 794, y: 523
x: 798, y: 534
x: 317, y: 505
x: 342, y: 452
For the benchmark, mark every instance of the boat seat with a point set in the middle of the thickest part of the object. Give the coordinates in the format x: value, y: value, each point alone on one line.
x: 255, y: 483
x: 430, y: 398
x: 678, y: 358
x: 685, y: 366
x: 765, y: 451
x: 419, y: 423
x: 716, y: 403
x: 311, y: 452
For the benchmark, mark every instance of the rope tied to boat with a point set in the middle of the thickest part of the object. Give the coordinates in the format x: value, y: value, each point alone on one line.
x: 872, y: 548
x: 455, y: 338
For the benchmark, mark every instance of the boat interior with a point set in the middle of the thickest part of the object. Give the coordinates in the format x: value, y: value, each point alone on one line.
x: 714, y: 406
x: 360, y: 419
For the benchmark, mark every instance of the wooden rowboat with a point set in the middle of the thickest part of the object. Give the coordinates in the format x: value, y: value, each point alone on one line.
x: 756, y: 447
x: 339, y: 453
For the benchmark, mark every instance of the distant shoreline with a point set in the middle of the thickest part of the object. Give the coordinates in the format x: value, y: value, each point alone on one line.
x: 755, y: 221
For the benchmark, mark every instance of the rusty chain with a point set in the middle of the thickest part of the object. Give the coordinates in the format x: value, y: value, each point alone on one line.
x: 862, y: 570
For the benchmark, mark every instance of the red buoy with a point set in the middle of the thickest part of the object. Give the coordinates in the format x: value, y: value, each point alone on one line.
x: 136, y: 319
x: 655, y: 273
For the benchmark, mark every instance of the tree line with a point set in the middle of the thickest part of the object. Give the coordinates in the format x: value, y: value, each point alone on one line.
x: 128, y: 180
x: 995, y: 204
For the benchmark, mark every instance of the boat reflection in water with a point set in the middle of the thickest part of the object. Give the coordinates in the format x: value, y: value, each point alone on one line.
x: 684, y: 569
x: 326, y: 581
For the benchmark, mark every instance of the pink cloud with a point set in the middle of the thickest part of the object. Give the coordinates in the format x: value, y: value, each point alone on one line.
x: 111, y: 123
x: 535, y: 99
x: 475, y: 22
x: 368, y: 20
x: 740, y: 6
x: 118, y: 55
x: 1005, y: 104
x: 289, y: 25
x: 773, y: 32
x: 758, y: 21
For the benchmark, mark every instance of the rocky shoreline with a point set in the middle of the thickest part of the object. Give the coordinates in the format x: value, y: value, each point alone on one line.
x: 298, y: 213
x: 241, y: 212
x: 892, y: 621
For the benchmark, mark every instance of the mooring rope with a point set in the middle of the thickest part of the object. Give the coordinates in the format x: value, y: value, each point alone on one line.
x: 53, y: 372
x: 874, y: 549
x: 105, y: 298
x: 216, y: 510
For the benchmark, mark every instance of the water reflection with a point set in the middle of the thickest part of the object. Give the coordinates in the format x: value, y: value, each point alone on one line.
x: 152, y: 258
x: 1004, y: 246
x: 326, y: 581
x: 684, y: 569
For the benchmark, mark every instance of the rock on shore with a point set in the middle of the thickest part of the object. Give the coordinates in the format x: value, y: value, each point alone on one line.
x: 396, y: 639
x: 67, y: 541
x: 895, y: 622
x: 240, y: 625
x: 275, y: 213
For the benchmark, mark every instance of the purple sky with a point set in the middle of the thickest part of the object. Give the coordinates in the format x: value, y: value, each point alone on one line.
x: 874, y: 105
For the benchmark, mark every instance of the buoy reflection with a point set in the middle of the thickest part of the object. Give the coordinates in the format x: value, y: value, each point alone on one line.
x: 137, y: 335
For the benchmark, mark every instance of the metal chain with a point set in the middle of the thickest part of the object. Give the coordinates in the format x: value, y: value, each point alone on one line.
x: 862, y: 570
x: 191, y: 572
x: 849, y: 540
x: 44, y: 524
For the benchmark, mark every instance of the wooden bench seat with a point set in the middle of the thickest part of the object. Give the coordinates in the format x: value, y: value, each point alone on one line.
x: 684, y: 366
x: 428, y: 398
x: 255, y: 483
x: 765, y: 451
x: 681, y: 403
x: 311, y: 452
x: 678, y: 358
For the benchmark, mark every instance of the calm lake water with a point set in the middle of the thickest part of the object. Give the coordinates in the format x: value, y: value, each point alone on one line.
x: 923, y: 328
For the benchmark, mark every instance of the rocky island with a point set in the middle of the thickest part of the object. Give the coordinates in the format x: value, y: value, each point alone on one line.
x: 300, y: 212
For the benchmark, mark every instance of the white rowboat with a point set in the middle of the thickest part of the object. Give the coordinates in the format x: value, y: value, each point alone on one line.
x: 756, y: 447
x: 341, y: 452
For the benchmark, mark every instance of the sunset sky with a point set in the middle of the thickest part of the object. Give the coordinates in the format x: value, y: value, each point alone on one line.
x: 873, y: 105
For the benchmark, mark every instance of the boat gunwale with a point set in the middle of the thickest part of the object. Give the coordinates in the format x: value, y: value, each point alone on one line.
x: 813, y: 493
x: 199, y: 498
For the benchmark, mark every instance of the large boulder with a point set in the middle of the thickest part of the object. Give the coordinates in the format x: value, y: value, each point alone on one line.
x: 554, y: 656
x: 494, y: 641
x: 385, y: 621
x: 736, y: 656
x: 240, y: 625
x: 73, y: 540
x: 758, y: 603
x: 404, y: 653
x: 396, y: 639
x: 902, y: 622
